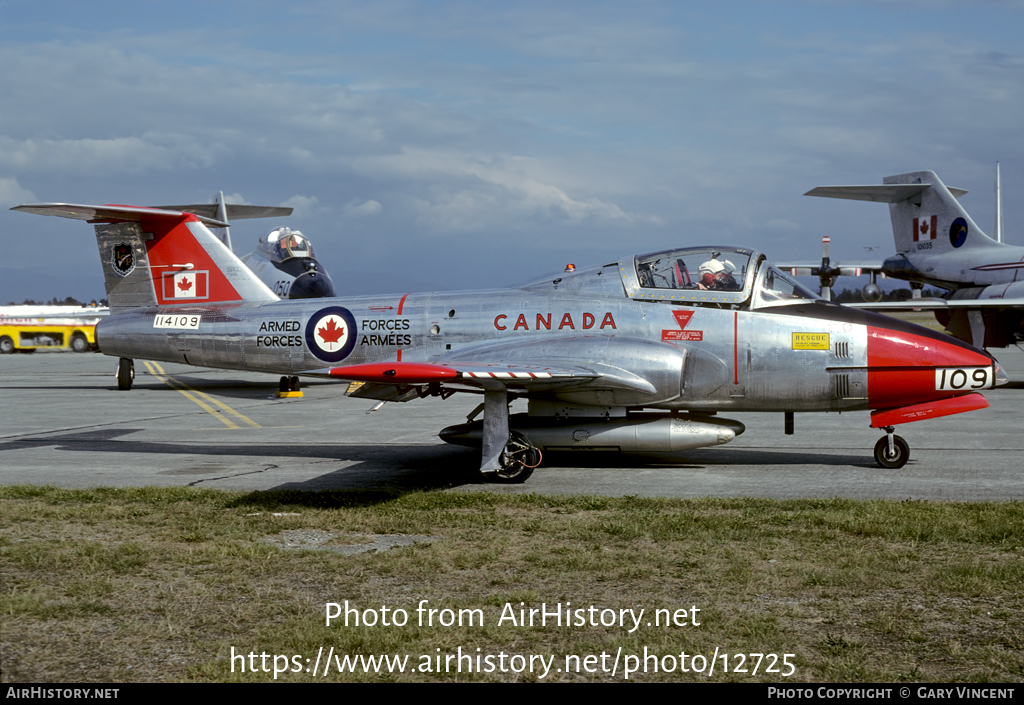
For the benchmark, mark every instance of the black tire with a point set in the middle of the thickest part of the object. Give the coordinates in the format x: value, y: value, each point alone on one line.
x: 125, y: 373
x: 6, y: 345
x: 518, y: 460
x: 293, y: 384
x: 900, y: 456
x: 79, y: 343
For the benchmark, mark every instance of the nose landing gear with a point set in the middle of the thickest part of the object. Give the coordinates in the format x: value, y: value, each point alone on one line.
x: 892, y: 451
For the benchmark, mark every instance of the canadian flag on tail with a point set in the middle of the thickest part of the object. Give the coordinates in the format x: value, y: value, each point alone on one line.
x: 186, y: 285
x: 924, y: 228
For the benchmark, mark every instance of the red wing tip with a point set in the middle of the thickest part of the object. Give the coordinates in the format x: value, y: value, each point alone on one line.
x: 394, y: 372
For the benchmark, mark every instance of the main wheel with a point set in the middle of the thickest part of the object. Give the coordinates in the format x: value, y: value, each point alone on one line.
x: 518, y: 460
x: 79, y: 343
x: 899, y: 456
x: 6, y: 345
x: 125, y: 373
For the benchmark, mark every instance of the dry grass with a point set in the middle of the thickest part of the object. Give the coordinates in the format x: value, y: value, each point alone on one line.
x: 159, y: 584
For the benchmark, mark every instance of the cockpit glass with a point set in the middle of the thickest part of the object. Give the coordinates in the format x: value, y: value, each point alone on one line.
x: 774, y: 288
x: 694, y: 269
x: 287, y: 243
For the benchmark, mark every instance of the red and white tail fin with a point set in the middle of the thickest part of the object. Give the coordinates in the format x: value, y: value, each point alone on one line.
x: 154, y: 257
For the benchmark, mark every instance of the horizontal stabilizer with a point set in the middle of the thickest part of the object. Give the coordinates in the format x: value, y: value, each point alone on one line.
x: 109, y: 213
x: 887, y: 193
x: 234, y: 211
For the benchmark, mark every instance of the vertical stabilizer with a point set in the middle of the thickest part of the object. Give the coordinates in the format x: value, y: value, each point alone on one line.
x: 163, y: 258
x: 931, y: 219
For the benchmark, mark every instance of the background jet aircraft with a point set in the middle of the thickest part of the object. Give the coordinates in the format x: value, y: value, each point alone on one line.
x: 937, y: 243
x: 639, y: 354
x: 283, y: 259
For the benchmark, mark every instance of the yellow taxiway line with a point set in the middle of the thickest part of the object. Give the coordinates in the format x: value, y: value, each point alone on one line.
x: 198, y: 397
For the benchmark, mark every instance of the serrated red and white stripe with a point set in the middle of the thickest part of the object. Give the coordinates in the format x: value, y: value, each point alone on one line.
x: 508, y: 375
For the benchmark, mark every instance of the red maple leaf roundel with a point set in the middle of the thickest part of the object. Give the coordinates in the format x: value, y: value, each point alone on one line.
x: 184, y: 285
x: 331, y: 333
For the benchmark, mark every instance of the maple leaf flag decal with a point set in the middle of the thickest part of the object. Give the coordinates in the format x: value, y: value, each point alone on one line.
x: 184, y: 285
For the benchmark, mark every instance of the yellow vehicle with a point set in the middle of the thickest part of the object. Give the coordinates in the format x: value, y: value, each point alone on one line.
x: 28, y: 328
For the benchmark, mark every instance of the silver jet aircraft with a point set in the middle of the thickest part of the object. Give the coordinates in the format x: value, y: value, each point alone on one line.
x: 937, y: 243
x: 639, y: 354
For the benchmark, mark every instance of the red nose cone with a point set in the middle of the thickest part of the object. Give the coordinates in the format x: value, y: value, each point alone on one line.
x: 906, y: 369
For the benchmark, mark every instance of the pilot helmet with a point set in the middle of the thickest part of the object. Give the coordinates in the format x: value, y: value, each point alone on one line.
x: 712, y: 266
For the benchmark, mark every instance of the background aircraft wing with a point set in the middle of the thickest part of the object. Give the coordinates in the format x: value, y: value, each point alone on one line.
x: 940, y: 304
x: 846, y: 269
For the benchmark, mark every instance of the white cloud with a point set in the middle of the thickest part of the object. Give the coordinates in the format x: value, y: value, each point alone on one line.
x: 370, y: 207
x: 12, y: 194
x: 303, y: 205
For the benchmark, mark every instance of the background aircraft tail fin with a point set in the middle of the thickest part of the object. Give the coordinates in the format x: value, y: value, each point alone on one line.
x: 925, y: 213
x: 932, y: 220
x: 154, y: 257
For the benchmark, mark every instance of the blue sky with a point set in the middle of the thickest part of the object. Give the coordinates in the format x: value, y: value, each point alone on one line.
x: 462, y: 145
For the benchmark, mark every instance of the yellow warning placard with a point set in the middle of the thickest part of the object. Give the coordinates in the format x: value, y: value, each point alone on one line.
x: 810, y: 341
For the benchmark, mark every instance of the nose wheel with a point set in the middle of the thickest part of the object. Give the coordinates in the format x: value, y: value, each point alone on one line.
x: 892, y: 451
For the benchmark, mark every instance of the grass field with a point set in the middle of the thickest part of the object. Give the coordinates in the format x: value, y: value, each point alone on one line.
x: 161, y: 584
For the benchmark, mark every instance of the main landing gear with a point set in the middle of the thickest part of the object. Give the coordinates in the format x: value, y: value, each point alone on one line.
x: 125, y: 373
x: 506, y: 456
x: 288, y: 387
x: 892, y: 451
x: 518, y: 460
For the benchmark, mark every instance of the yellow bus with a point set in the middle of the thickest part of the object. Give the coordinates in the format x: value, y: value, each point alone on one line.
x: 29, y: 328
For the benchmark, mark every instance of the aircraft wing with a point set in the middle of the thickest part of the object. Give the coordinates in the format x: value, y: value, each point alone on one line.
x: 473, y: 374
x: 401, y: 381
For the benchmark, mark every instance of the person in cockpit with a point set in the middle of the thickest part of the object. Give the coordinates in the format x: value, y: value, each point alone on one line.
x: 718, y: 275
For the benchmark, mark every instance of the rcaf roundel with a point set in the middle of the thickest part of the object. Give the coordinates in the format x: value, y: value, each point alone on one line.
x: 331, y: 333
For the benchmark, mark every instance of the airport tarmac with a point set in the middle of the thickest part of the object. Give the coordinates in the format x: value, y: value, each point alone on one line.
x: 64, y: 423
